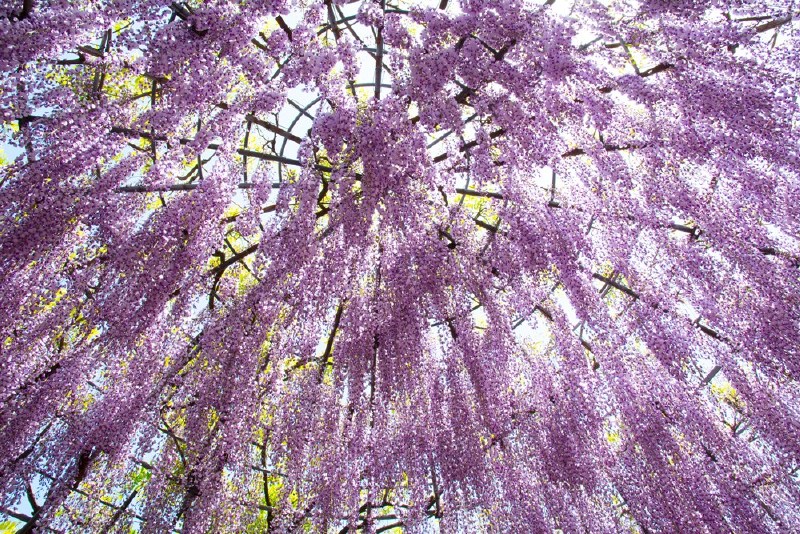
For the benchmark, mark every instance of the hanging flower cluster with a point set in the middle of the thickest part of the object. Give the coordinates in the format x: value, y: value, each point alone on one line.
x: 340, y: 266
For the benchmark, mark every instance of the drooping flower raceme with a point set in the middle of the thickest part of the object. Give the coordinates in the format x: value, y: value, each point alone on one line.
x: 335, y: 266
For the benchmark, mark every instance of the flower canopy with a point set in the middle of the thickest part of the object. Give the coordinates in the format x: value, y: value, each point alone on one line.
x: 384, y: 266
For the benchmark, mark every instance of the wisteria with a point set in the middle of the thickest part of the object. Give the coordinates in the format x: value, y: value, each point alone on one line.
x: 400, y: 266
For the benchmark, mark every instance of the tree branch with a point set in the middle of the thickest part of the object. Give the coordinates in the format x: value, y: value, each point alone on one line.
x: 325, y: 360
